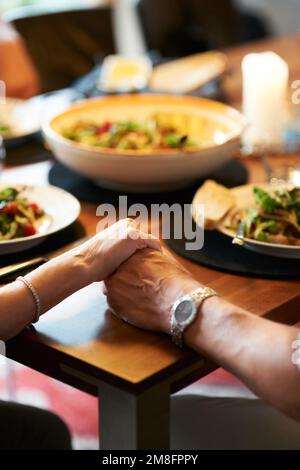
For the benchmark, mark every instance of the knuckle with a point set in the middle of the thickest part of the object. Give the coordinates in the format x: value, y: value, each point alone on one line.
x: 132, y: 233
x: 130, y: 221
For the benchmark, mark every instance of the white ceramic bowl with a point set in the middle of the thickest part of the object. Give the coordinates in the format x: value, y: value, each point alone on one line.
x: 152, y: 169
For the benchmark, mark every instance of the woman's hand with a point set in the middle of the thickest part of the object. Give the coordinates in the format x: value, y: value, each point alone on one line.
x: 100, y: 256
x: 143, y: 289
x: 92, y: 261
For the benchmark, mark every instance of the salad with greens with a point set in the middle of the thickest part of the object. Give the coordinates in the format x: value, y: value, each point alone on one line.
x: 275, y: 218
x: 157, y: 132
x: 5, y: 128
x: 18, y: 216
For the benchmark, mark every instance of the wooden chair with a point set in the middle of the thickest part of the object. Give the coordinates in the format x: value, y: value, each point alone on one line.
x: 180, y: 27
x: 65, y: 45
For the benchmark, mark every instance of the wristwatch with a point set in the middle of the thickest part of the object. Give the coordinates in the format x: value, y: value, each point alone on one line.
x: 185, y: 311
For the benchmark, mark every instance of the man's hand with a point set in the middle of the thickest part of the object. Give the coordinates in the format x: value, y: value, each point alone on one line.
x: 142, y: 292
x: 144, y: 288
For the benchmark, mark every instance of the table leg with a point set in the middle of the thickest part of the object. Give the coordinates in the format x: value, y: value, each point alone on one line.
x: 130, y: 422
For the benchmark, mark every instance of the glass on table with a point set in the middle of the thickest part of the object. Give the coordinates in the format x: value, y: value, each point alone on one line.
x: 281, y: 164
x: 279, y: 155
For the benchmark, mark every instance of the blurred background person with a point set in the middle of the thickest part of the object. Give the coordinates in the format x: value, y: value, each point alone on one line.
x: 16, y: 67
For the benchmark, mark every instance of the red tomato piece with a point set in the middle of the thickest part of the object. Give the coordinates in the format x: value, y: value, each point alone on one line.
x: 35, y: 207
x: 104, y: 128
x: 11, y: 208
x: 29, y: 229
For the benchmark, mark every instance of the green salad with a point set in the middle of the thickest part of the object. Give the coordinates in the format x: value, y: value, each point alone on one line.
x: 156, y: 132
x: 275, y: 218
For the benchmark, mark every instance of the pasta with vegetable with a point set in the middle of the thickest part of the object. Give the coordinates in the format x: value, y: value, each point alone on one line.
x: 18, y: 216
x: 158, y: 132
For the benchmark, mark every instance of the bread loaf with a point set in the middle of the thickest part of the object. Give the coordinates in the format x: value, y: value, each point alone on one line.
x: 217, y: 201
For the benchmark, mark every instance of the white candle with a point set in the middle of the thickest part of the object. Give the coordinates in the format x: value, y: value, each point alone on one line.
x: 265, y: 82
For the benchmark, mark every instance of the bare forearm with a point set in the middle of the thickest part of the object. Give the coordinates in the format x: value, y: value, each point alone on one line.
x: 257, y: 350
x: 53, y: 282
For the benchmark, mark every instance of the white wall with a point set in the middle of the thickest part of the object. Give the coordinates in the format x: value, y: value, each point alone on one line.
x: 283, y: 15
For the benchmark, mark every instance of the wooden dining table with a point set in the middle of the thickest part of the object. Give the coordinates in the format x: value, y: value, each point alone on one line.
x: 134, y: 372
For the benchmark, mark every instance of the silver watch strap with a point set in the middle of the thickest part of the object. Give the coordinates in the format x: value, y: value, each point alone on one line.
x: 198, y: 296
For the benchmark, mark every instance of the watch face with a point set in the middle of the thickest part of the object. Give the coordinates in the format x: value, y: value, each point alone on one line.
x: 184, y: 311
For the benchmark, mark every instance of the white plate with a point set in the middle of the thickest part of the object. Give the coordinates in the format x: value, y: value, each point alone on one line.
x: 20, y: 115
x: 244, y: 198
x: 61, y: 208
